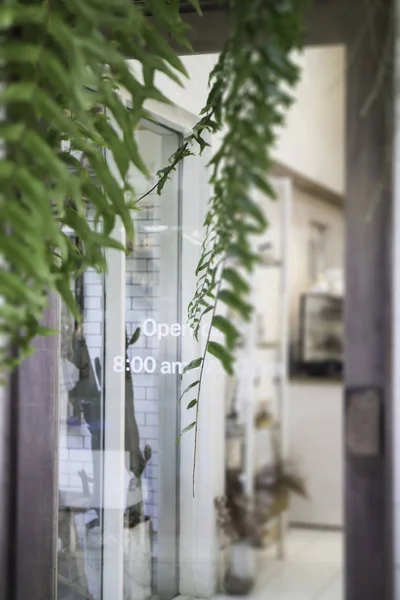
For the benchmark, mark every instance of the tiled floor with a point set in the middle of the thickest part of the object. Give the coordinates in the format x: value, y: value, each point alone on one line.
x: 312, y: 569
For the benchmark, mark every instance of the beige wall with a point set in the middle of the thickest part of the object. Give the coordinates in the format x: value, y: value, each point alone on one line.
x: 316, y: 447
x: 313, y: 140
x: 314, y: 408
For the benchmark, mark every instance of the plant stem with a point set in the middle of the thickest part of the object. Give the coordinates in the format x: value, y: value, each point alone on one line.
x: 201, y: 378
x: 181, y: 152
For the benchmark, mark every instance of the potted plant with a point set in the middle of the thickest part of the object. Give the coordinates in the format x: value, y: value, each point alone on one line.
x: 280, y: 481
x: 237, y: 522
x: 274, y: 485
x: 242, y: 520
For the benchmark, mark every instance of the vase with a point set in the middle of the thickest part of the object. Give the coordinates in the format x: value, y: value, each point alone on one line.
x: 93, y: 561
x: 137, y: 561
x: 240, y: 575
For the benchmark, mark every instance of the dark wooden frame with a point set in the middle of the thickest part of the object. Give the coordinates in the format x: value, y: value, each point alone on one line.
x: 369, y: 571
x: 29, y: 428
x: 29, y: 473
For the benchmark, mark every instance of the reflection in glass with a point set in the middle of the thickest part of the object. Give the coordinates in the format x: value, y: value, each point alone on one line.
x: 80, y: 443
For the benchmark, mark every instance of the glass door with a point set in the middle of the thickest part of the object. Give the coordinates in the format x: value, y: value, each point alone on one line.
x: 118, y: 398
x: 81, y: 433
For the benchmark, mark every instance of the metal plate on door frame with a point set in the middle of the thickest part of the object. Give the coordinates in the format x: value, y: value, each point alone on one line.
x: 364, y: 421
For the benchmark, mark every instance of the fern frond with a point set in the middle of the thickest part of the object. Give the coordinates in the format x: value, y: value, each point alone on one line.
x: 247, y: 101
x: 67, y: 79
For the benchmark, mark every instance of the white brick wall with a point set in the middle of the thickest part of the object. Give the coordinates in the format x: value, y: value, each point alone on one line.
x: 142, y: 292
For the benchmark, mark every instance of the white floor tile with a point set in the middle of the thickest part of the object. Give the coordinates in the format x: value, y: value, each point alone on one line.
x: 312, y: 569
x: 334, y: 591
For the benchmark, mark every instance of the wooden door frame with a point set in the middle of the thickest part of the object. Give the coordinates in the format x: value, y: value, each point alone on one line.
x: 29, y: 472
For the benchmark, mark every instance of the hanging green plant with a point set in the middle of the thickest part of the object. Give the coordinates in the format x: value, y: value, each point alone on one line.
x: 63, y: 64
x: 247, y: 101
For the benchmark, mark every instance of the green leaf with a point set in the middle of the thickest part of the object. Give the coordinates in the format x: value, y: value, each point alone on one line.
x: 252, y: 209
x: 68, y: 298
x: 194, y: 364
x: 248, y: 259
x: 262, y: 183
x: 113, y: 190
x: 201, y: 267
x: 22, y: 14
x: 107, y: 241
x: 26, y: 259
x: 11, y: 132
x: 189, y: 387
x: 238, y: 283
x: 15, y: 289
x: 46, y: 331
x: 191, y: 404
x: 6, y: 16
x: 7, y: 168
x: 17, y: 92
x: 222, y: 355
x: 188, y: 428
x: 116, y: 146
x: 40, y: 150
x: 229, y: 330
x: 135, y: 337
x: 233, y: 301
x: 196, y: 5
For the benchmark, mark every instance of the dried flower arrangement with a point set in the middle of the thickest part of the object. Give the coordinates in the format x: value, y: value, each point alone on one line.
x: 240, y: 519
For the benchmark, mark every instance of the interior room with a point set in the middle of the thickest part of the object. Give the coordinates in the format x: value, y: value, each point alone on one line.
x: 292, y: 426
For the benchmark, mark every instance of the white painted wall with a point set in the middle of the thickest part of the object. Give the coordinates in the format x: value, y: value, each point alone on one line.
x: 312, y: 141
x: 315, y: 409
x: 316, y: 446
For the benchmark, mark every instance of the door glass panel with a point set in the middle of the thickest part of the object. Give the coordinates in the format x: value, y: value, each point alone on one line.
x: 81, y: 442
x: 148, y: 520
x: 152, y: 305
